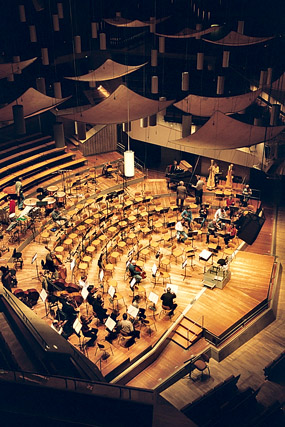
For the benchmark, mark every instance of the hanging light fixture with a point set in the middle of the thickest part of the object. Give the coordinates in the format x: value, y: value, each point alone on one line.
x: 226, y: 59
x: 57, y: 89
x: 55, y: 22
x: 200, y: 61
x: 154, y: 84
x: 33, y: 34
x: 103, y: 45
x: 45, y: 59
x: 22, y: 13
x: 77, y: 44
x: 220, y: 85
x: 185, y: 81
x: 153, y: 57
x: 161, y: 44
x: 60, y: 10
x: 94, y: 30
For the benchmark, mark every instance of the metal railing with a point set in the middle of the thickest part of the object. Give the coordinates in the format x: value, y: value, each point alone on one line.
x: 112, y: 391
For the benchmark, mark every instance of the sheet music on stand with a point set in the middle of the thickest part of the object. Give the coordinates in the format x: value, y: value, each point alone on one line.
x: 84, y: 293
x: 101, y: 275
x: 111, y: 291
x: 184, y: 263
x: 130, y: 253
x: 154, y: 270
x: 43, y: 295
x: 153, y: 297
x: 110, y: 323
x: 133, y: 311
x: 72, y: 264
x: 77, y: 326
x: 205, y: 255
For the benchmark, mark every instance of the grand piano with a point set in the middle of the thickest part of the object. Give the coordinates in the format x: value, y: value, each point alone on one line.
x: 184, y: 173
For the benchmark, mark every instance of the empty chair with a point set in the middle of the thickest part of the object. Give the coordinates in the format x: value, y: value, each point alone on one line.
x: 202, y: 365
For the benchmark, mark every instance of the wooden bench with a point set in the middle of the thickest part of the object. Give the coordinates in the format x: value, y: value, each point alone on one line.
x: 26, y: 153
x: 13, y: 167
x: 29, y: 170
x: 41, y: 176
x: 17, y: 144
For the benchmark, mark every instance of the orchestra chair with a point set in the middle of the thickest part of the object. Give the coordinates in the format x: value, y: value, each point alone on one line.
x: 121, y: 246
x: 90, y: 250
x: 154, y: 245
x: 165, y: 276
x: 176, y: 252
x: 103, y: 348
x: 144, y: 253
x: 140, y: 291
x: 165, y: 311
x: 17, y: 259
x: 164, y: 262
x: 202, y: 365
x: 44, y: 237
x: 148, y: 324
x: 124, y: 339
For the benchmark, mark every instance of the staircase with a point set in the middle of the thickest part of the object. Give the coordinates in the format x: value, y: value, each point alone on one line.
x: 187, y: 333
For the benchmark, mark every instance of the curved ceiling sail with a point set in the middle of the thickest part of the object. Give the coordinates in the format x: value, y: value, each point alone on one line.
x: 123, y: 105
x: 206, y: 106
x: 108, y: 71
x: 238, y: 39
x: 187, y: 33
x: 123, y: 22
x: 222, y: 132
x: 33, y: 102
x: 14, y: 67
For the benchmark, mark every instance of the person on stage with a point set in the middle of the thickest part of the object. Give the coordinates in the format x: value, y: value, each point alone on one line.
x: 220, y: 215
x: 231, y: 232
x: 199, y: 190
x: 229, y: 181
x: 135, y: 271
x: 203, y: 213
x: 56, y: 216
x: 181, y: 233
x: 174, y: 167
x: 181, y: 194
x: 168, y: 300
x: 187, y: 216
x: 98, y: 308
x: 87, y: 331
x: 19, y: 193
x: 211, y: 178
x: 247, y: 193
x: 126, y: 327
x: 213, y: 227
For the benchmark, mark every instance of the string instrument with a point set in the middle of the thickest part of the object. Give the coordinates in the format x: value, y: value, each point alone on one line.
x: 54, y: 256
x: 140, y: 270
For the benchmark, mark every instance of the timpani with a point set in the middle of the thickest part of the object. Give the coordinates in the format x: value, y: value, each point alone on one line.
x: 60, y: 198
x: 52, y: 190
x: 32, y: 201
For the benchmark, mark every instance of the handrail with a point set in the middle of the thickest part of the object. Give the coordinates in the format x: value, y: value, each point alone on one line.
x: 116, y: 391
x: 24, y: 318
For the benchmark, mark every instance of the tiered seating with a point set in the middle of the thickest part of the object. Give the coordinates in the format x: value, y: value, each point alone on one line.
x: 276, y: 368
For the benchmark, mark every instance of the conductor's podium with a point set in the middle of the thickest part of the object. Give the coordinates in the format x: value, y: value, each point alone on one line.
x: 217, y: 276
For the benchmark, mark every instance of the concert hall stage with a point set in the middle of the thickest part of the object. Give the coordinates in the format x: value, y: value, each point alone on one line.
x: 247, y: 290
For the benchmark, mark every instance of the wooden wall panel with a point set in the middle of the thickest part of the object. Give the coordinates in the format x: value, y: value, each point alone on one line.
x: 101, y: 142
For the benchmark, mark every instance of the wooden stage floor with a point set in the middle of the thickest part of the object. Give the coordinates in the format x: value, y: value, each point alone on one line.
x: 220, y: 308
x: 247, y: 288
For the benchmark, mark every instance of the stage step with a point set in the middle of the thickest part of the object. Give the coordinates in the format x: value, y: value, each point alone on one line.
x: 187, y: 333
x: 188, y: 324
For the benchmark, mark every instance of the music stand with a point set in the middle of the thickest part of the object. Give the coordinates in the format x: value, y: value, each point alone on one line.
x: 153, y: 273
x: 43, y: 296
x: 133, y: 311
x: 184, y: 266
x: 153, y: 297
x: 85, y: 294
x: 110, y: 324
x: 37, y: 269
x: 170, y: 225
x: 77, y: 326
x: 205, y: 256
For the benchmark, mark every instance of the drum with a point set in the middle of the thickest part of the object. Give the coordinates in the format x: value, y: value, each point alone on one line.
x: 30, y: 202
x: 60, y: 198
x: 52, y: 190
x: 50, y: 202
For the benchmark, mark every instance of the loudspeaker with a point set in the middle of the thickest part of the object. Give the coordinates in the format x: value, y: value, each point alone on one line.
x: 250, y: 227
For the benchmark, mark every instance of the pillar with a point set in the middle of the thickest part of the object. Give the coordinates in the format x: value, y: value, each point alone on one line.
x: 57, y: 90
x: 58, y: 134
x: 185, y: 81
x: 19, y: 120
x: 103, y: 45
x: 41, y: 85
x: 81, y: 129
x: 186, y: 125
x: 154, y: 84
